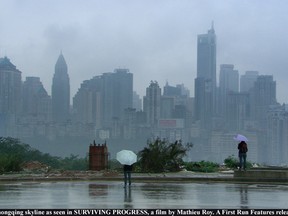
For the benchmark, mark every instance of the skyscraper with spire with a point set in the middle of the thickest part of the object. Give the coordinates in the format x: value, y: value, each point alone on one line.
x: 205, y: 82
x: 61, y: 91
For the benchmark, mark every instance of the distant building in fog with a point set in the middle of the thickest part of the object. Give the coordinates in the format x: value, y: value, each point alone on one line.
x: 275, y: 148
x: 237, y: 111
x: 247, y: 80
x: 172, y: 90
x: 205, y: 82
x: 263, y: 94
x: 87, y: 102
x: 102, y: 100
x: 61, y: 91
x: 10, y: 86
x: 177, y: 104
x: 228, y: 83
x: 137, y: 102
x: 10, y: 96
x: 152, y: 103
x: 37, y: 103
x: 122, y: 92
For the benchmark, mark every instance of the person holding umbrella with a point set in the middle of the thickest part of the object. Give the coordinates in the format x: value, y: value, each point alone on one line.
x: 242, y: 151
x: 127, y: 158
x: 127, y: 169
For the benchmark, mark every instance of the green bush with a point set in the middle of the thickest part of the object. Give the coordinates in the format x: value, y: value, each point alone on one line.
x: 74, y: 163
x: 115, y: 165
x: 13, y: 154
x: 10, y: 163
x: 162, y: 156
x: 202, y: 166
x: 233, y: 163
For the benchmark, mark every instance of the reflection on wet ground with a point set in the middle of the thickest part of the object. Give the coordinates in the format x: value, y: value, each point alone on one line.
x: 107, y: 195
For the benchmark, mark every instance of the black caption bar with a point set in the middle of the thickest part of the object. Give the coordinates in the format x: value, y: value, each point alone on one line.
x: 154, y: 212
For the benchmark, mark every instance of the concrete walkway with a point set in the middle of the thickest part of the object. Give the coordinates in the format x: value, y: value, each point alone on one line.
x: 253, y: 175
x: 141, y: 195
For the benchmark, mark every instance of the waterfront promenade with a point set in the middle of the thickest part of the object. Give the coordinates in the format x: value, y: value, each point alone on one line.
x: 265, y: 175
x: 104, y: 190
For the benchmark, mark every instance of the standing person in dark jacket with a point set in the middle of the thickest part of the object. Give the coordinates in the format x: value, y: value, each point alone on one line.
x: 243, y: 149
x: 127, y: 174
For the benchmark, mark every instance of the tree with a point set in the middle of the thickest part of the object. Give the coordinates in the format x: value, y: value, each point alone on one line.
x: 160, y: 156
x: 74, y: 163
x: 14, y: 153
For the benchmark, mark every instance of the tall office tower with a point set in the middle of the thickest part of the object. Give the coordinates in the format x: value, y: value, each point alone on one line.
x: 171, y: 90
x: 152, y: 101
x: 237, y: 111
x: 103, y: 99
x: 247, y: 80
x: 167, y: 107
x: 228, y: 82
x: 10, y: 96
x: 10, y: 87
x: 205, y: 83
x: 129, y: 124
x: 36, y: 101
x: 263, y: 94
x: 137, y: 102
x: 262, y: 97
x: 117, y: 95
x: 275, y: 152
x: 176, y: 103
x: 61, y: 91
x: 123, y: 92
x: 87, y: 102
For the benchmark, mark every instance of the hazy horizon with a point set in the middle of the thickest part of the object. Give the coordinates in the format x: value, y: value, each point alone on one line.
x: 155, y: 40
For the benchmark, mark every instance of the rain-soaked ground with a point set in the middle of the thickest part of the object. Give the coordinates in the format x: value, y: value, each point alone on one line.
x: 107, y: 195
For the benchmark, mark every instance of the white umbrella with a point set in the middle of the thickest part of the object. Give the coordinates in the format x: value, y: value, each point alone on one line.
x: 240, y: 137
x: 126, y: 157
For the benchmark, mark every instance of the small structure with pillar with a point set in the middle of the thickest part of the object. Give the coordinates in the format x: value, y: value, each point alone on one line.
x: 98, y: 157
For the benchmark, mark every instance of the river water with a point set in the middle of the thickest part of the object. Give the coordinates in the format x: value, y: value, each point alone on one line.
x: 108, y: 195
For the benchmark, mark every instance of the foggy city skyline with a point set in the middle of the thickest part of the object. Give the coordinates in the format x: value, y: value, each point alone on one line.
x: 154, y: 40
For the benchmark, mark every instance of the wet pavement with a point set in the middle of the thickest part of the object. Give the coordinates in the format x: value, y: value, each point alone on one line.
x: 141, y: 195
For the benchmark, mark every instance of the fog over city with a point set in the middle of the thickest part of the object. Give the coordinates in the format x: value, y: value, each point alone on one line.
x: 155, y: 40
x: 205, y: 71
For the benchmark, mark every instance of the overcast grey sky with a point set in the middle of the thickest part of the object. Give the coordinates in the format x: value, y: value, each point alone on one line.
x: 155, y: 39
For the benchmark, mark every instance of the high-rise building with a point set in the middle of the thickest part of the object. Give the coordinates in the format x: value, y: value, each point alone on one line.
x: 87, y: 102
x: 263, y: 94
x: 137, y: 102
x: 61, y: 91
x: 152, y: 103
x: 176, y: 103
x: 36, y: 101
x: 237, y: 111
x: 171, y: 90
x: 228, y: 82
x: 167, y: 107
x: 10, y: 87
x: 205, y: 83
x: 123, y: 92
x: 275, y: 149
x: 263, y: 97
x: 10, y: 96
x: 247, y: 80
x: 229, y: 78
x: 103, y: 99
x: 117, y: 95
